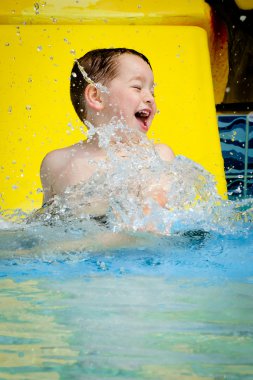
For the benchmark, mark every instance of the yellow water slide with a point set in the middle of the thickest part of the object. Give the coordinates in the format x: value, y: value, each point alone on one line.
x: 39, y: 42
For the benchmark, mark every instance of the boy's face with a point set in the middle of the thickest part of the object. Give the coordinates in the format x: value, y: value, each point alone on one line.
x: 131, y: 94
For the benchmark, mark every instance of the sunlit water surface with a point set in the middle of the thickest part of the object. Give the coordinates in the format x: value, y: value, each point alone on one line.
x: 81, y: 299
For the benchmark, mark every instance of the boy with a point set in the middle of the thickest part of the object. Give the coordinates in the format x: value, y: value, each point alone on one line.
x: 105, y: 84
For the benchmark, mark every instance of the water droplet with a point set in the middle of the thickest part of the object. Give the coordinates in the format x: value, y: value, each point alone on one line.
x: 36, y: 8
x: 101, y: 265
x: 243, y: 18
x: 14, y: 162
x: 238, y: 190
x: 138, y: 6
x: 7, y: 44
x: 10, y: 109
x: 250, y: 117
x: 39, y: 190
x: 29, y: 80
x: 227, y: 89
x: 28, y: 107
x: 74, y: 75
x: 72, y: 51
x: 14, y: 187
x: 39, y: 48
x: 7, y: 177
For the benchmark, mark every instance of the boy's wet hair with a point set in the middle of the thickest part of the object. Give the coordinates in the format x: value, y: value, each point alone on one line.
x: 100, y: 65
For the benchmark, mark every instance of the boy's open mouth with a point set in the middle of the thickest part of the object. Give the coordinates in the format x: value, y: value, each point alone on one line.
x: 143, y: 116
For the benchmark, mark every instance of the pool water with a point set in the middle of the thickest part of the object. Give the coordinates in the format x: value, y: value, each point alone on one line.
x: 160, y: 295
x: 171, y: 307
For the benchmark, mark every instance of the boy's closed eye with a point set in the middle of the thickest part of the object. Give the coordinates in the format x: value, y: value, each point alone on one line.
x: 137, y: 86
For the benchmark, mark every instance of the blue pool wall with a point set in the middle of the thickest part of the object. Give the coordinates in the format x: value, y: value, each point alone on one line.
x: 236, y: 136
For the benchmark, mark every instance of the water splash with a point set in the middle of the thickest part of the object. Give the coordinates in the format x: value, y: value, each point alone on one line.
x: 89, y: 80
x: 139, y: 192
x: 36, y: 7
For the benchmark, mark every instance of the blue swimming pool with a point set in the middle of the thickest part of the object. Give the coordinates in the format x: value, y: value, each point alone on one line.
x: 174, y: 307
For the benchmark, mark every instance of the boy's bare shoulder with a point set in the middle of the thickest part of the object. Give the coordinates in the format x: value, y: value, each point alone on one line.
x: 59, y: 158
x: 62, y: 168
x: 165, y: 152
x: 55, y: 158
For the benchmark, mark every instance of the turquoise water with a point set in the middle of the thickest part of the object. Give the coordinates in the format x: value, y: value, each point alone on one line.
x: 173, y: 307
x: 81, y: 299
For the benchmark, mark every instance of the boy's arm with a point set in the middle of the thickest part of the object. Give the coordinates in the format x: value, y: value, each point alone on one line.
x: 59, y: 170
x: 51, y: 173
x: 159, y: 191
x: 46, y: 178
